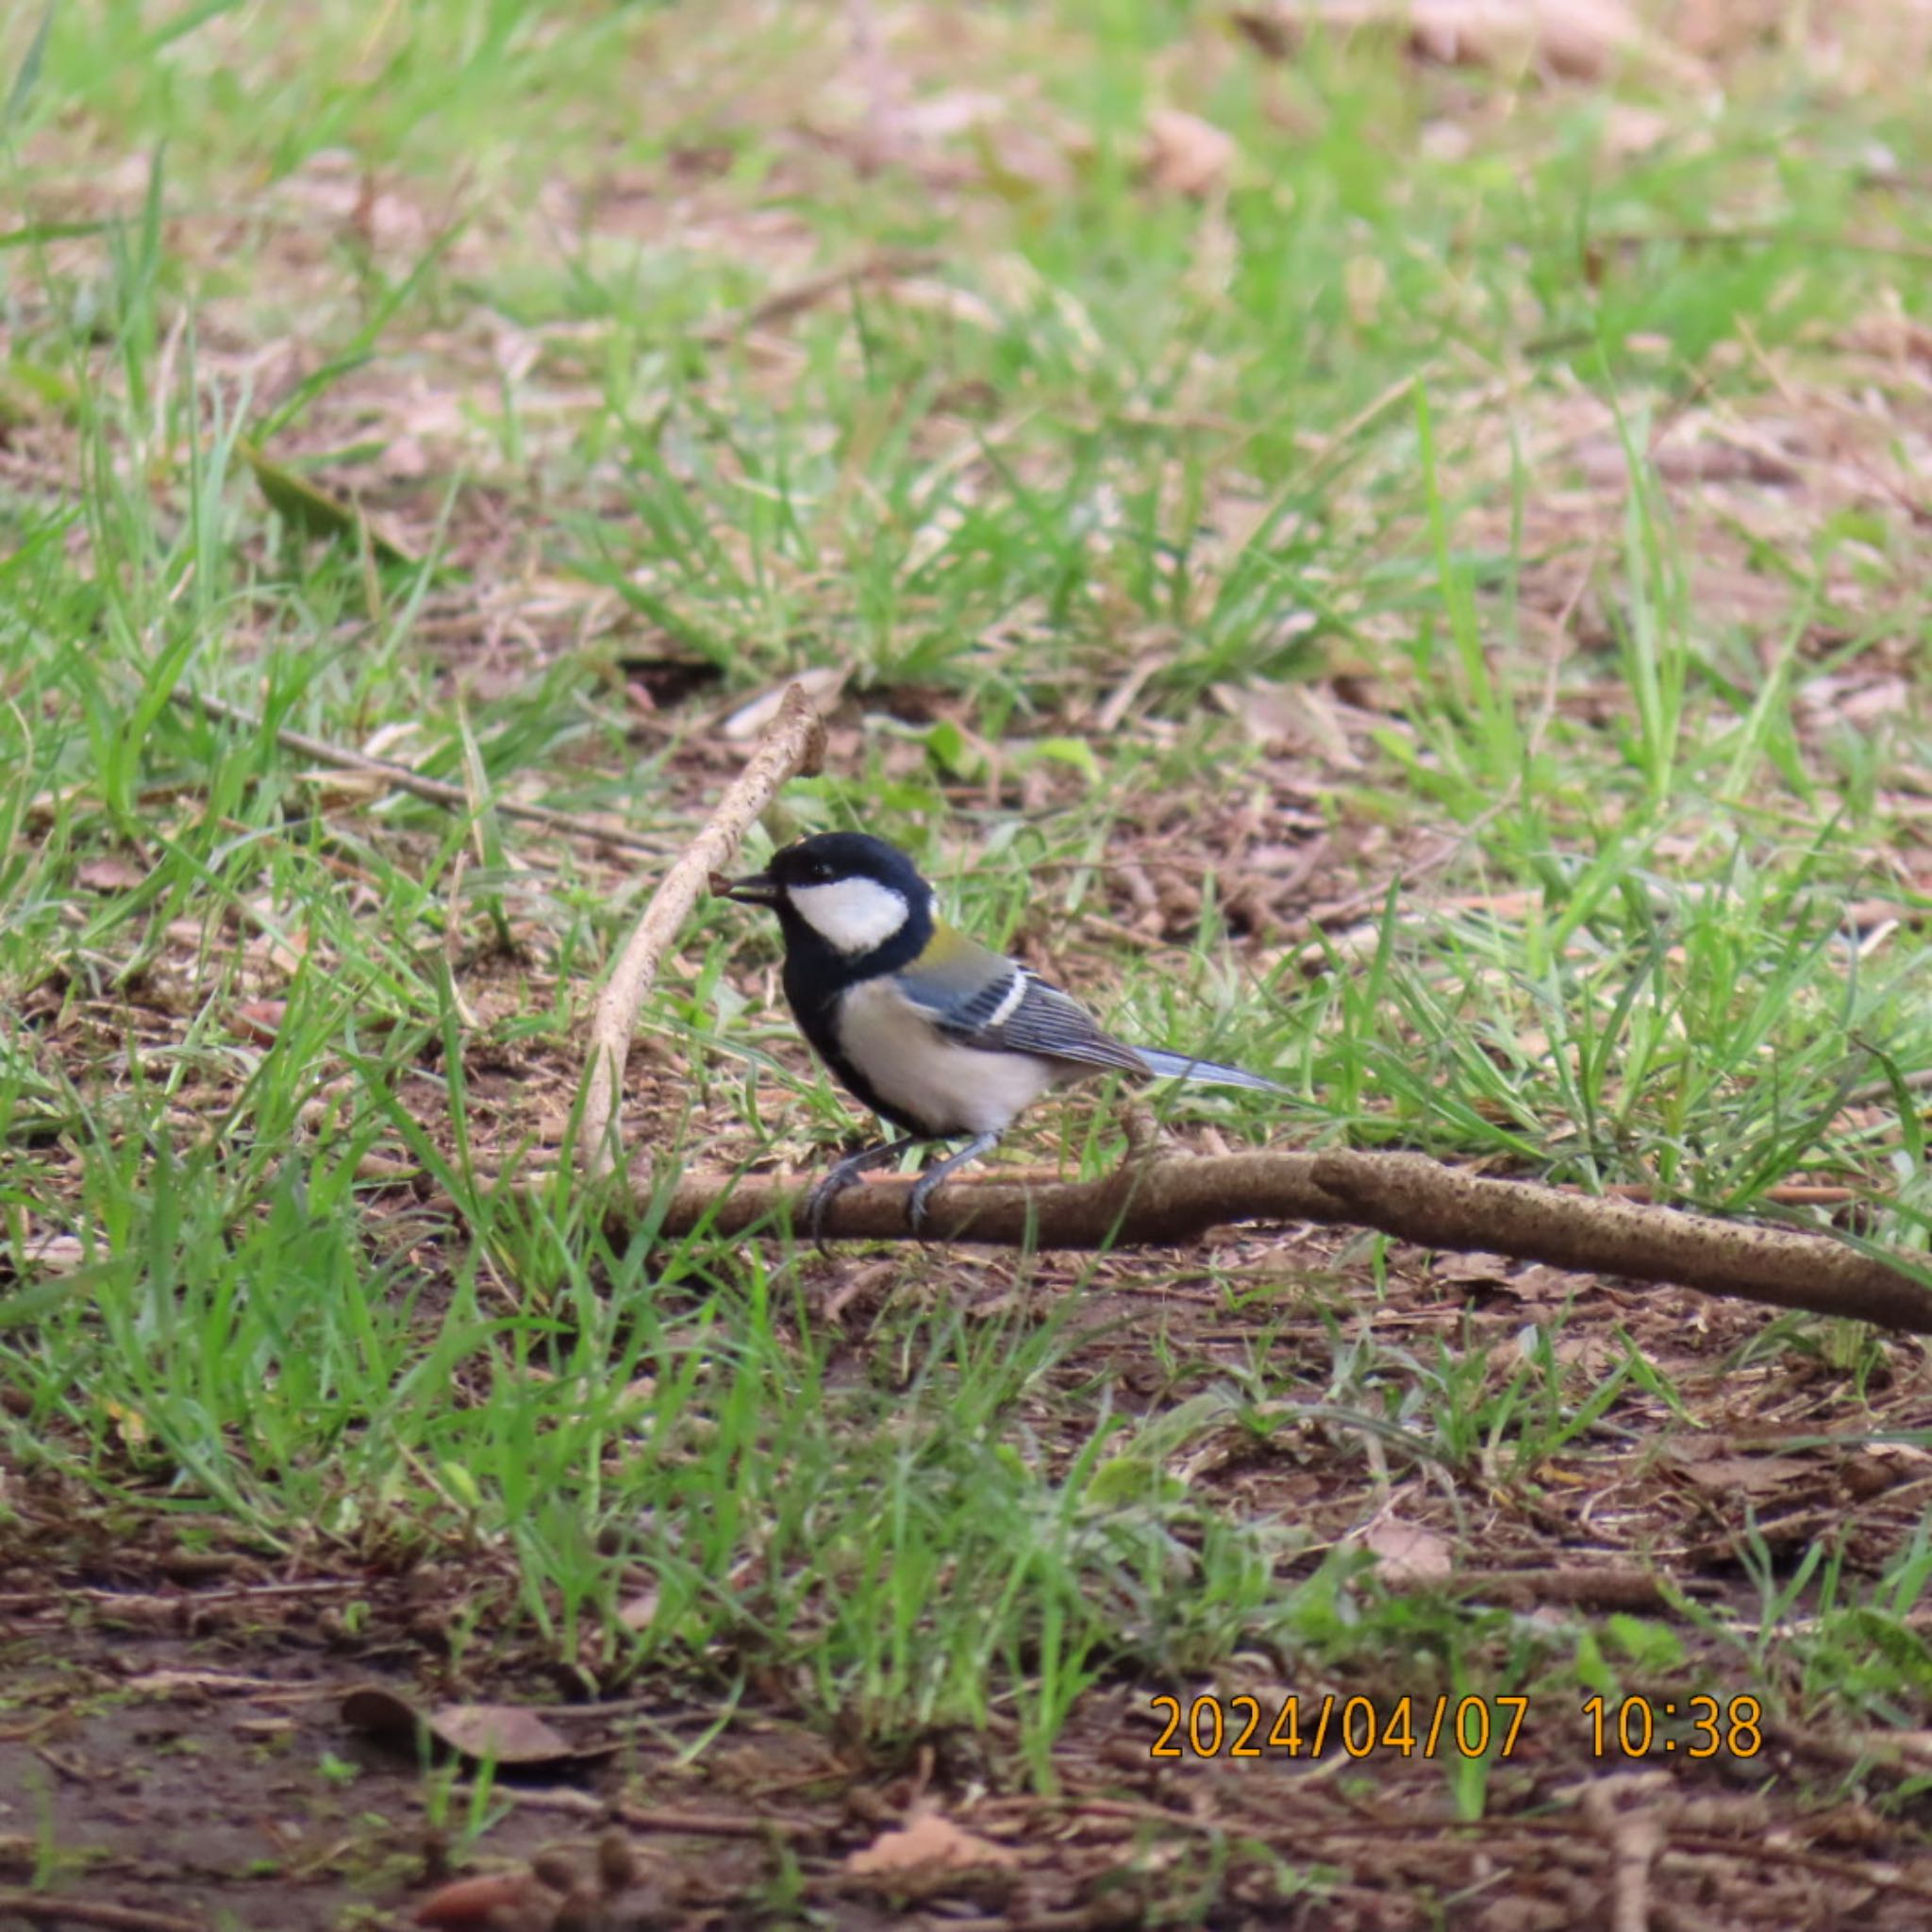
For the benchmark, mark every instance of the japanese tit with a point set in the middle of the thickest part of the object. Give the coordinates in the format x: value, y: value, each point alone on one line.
x: 938, y: 1036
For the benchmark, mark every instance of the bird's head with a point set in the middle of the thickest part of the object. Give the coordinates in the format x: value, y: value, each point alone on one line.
x: 847, y: 892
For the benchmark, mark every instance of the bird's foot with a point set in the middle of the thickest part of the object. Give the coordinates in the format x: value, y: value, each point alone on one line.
x: 822, y: 1198
x: 917, y: 1201
x: 846, y: 1173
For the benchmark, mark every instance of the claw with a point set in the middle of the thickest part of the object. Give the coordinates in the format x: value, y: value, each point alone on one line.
x: 844, y: 1174
x: 822, y: 1198
x: 916, y: 1203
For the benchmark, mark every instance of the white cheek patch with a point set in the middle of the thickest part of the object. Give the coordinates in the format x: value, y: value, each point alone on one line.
x: 854, y: 915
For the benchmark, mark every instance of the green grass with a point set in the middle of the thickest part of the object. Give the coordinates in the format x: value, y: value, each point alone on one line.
x: 1300, y: 432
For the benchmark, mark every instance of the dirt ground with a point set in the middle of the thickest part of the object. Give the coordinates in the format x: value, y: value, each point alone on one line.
x: 176, y: 1741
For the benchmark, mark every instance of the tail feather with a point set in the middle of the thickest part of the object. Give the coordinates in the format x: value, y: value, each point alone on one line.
x: 1181, y: 1066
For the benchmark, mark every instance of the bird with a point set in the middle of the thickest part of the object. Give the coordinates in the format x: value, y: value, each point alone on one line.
x: 940, y: 1036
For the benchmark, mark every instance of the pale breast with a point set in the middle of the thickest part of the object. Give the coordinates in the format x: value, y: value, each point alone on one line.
x: 946, y: 1088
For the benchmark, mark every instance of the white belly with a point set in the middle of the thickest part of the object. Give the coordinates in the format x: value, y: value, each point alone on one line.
x: 945, y: 1087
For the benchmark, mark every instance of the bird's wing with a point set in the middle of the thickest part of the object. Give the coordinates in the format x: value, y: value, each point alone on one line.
x: 979, y: 999
x: 1045, y: 1020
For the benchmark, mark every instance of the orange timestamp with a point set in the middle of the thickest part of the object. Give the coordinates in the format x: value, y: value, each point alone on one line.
x: 1212, y: 1727
x: 1700, y: 1726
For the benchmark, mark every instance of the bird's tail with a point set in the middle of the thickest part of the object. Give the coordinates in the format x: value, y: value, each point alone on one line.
x: 1181, y: 1066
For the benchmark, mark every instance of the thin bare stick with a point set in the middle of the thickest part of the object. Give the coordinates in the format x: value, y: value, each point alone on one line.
x: 793, y: 743
x: 1174, y: 1199
x: 783, y: 304
x: 1577, y: 1587
x: 1635, y: 1836
x: 401, y: 779
x: 53, y: 1908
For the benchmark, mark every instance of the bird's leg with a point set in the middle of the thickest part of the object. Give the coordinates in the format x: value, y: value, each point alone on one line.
x: 846, y: 1174
x: 922, y: 1186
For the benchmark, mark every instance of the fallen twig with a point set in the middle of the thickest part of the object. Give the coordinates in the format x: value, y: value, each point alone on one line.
x: 401, y: 779
x: 1176, y: 1199
x: 53, y: 1908
x: 1421, y: 1200
x: 782, y: 304
x: 695, y: 1820
x: 1786, y: 1195
x: 795, y: 744
x: 1635, y: 1836
x: 1576, y: 1588
x: 1161, y: 1201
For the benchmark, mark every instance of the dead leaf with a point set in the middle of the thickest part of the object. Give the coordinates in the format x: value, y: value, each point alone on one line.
x: 1294, y: 717
x: 260, y: 1019
x: 506, y: 1732
x: 1409, y: 1552
x: 1630, y: 129
x: 1473, y: 1270
x: 1746, y: 1476
x: 53, y: 1254
x: 821, y: 683
x: 476, y: 1901
x: 129, y: 1425
x: 639, y: 1612
x: 503, y: 1733
x: 1578, y: 40
x: 1540, y: 1282
x: 927, y: 1846
x: 379, y: 1712
x: 271, y: 952
x: 109, y: 874
x: 1185, y: 155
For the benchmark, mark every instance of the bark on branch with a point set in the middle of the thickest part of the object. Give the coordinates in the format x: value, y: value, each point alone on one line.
x: 793, y: 743
x: 1175, y: 1198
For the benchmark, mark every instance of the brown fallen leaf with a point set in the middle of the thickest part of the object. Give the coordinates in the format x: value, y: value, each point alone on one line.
x: 1185, y: 155
x: 1579, y: 39
x: 260, y: 1019
x: 505, y: 1734
x: 1746, y: 1476
x: 1538, y: 1282
x: 639, y: 1612
x: 478, y: 1900
x: 53, y: 1254
x: 381, y: 1714
x: 1474, y: 1271
x: 109, y: 874
x: 928, y: 1846
x: 1409, y: 1552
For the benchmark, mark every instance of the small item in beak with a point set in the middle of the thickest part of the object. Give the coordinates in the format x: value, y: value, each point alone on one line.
x: 717, y: 885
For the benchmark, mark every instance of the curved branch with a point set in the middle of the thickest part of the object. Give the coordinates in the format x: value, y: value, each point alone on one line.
x: 1152, y: 1203
x: 795, y: 744
x: 1421, y: 1200
x: 1175, y: 1198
